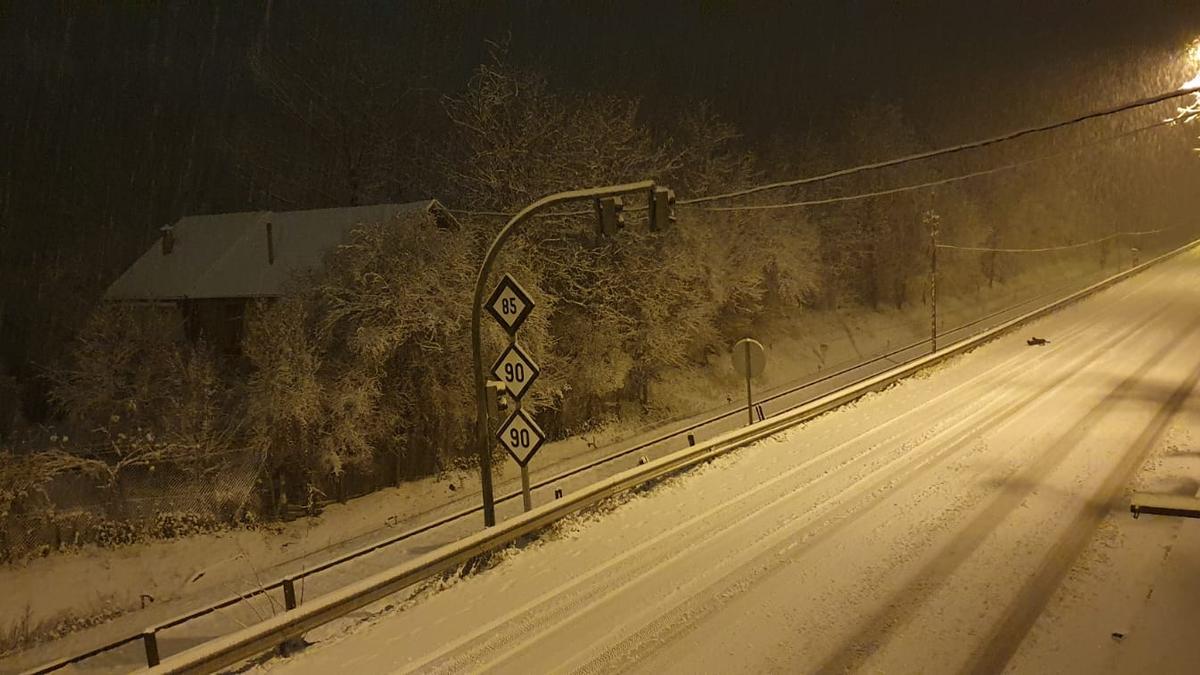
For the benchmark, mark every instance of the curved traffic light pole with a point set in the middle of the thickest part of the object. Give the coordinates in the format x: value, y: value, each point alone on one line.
x: 483, y: 439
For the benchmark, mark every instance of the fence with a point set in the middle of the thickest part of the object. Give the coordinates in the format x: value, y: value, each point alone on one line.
x: 165, y: 500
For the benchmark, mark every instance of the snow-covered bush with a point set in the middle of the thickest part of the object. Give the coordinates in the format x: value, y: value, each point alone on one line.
x: 367, y: 357
x: 110, y: 533
x: 136, y: 393
x: 175, y: 524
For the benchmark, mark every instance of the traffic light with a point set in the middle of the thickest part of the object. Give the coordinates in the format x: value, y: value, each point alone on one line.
x: 611, y: 217
x: 662, y: 208
x: 497, y: 399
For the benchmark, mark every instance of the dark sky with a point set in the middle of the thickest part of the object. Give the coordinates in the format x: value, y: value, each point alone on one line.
x: 120, y: 116
x: 101, y: 96
x: 772, y: 65
x: 957, y: 67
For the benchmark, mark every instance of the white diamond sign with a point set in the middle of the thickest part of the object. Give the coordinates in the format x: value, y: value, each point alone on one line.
x: 510, y: 304
x: 521, y: 436
x: 516, y: 370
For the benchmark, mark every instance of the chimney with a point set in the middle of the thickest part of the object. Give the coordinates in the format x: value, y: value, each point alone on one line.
x: 270, y: 245
x: 168, y: 239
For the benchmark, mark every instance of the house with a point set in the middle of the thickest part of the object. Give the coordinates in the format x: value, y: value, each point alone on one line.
x: 212, y: 266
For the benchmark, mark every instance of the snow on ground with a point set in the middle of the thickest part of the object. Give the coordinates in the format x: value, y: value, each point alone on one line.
x: 188, y: 573
x: 972, y: 519
x: 1130, y: 601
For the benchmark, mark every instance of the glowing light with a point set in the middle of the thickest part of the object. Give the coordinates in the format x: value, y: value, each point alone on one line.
x: 1189, y: 112
x: 1193, y: 55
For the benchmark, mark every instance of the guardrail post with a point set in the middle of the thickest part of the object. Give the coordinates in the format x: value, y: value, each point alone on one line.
x: 289, y: 593
x: 150, y: 640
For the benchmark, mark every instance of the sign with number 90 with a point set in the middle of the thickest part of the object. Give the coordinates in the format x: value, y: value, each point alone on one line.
x: 516, y: 370
x: 521, y: 436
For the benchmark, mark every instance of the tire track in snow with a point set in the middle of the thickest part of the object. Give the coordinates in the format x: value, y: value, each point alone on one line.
x: 548, y: 609
x: 875, y: 455
x: 880, y: 490
x: 899, y: 608
x: 1036, y: 592
x: 683, y: 618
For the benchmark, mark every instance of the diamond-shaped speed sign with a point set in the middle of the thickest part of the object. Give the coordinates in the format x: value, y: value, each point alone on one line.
x: 521, y: 436
x: 516, y: 370
x: 510, y: 304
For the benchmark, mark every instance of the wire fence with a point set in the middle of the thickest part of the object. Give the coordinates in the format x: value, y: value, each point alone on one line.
x: 164, y: 500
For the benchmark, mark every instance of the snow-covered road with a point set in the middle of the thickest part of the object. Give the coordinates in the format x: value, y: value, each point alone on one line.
x: 927, y: 528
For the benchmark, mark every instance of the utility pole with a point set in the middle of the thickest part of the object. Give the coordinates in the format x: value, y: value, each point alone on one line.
x: 931, y: 220
x: 483, y: 439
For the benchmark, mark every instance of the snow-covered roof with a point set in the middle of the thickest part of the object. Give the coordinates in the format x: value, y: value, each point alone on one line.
x: 229, y: 256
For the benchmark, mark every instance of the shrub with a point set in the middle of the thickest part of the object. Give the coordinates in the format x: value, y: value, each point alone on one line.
x: 113, y: 533
x: 175, y: 524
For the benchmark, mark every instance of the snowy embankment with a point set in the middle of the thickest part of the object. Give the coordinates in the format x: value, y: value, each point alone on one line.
x: 970, y: 520
x: 178, y: 575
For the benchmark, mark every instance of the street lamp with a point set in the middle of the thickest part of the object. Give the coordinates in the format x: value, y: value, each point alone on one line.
x: 482, y: 439
x: 1192, y: 65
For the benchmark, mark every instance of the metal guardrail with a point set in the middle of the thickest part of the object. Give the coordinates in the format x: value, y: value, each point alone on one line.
x: 254, y: 640
x: 1180, y: 506
x: 149, y: 638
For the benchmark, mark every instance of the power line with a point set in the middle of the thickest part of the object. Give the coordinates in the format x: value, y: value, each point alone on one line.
x: 985, y: 249
x: 491, y: 214
x: 935, y: 183
x: 549, y: 214
x: 907, y: 159
x: 1010, y: 136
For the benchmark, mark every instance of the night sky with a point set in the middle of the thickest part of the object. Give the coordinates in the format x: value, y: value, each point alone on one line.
x: 90, y: 79
x: 119, y: 117
x: 775, y: 67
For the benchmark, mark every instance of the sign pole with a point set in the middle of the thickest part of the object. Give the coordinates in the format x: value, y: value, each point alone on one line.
x: 483, y: 440
x: 749, y: 394
x: 749, y: 359
x: 932, y: 220
x: 525, y: 494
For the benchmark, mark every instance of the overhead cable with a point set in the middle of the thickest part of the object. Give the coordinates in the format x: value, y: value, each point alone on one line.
x: 994, y: 140
x: 1010, y: 136
x: 934, y: 183
x: 986, y: 249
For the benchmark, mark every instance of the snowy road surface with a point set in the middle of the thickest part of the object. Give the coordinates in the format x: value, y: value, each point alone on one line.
x: 948, y: 524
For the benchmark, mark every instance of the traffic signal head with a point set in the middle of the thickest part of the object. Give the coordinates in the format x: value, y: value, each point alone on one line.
x: 497, y: 399
x: 662, y: 208
x: 610, y: 211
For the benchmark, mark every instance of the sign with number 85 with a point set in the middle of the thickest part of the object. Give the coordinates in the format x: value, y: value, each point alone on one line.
x: 510, y: 305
